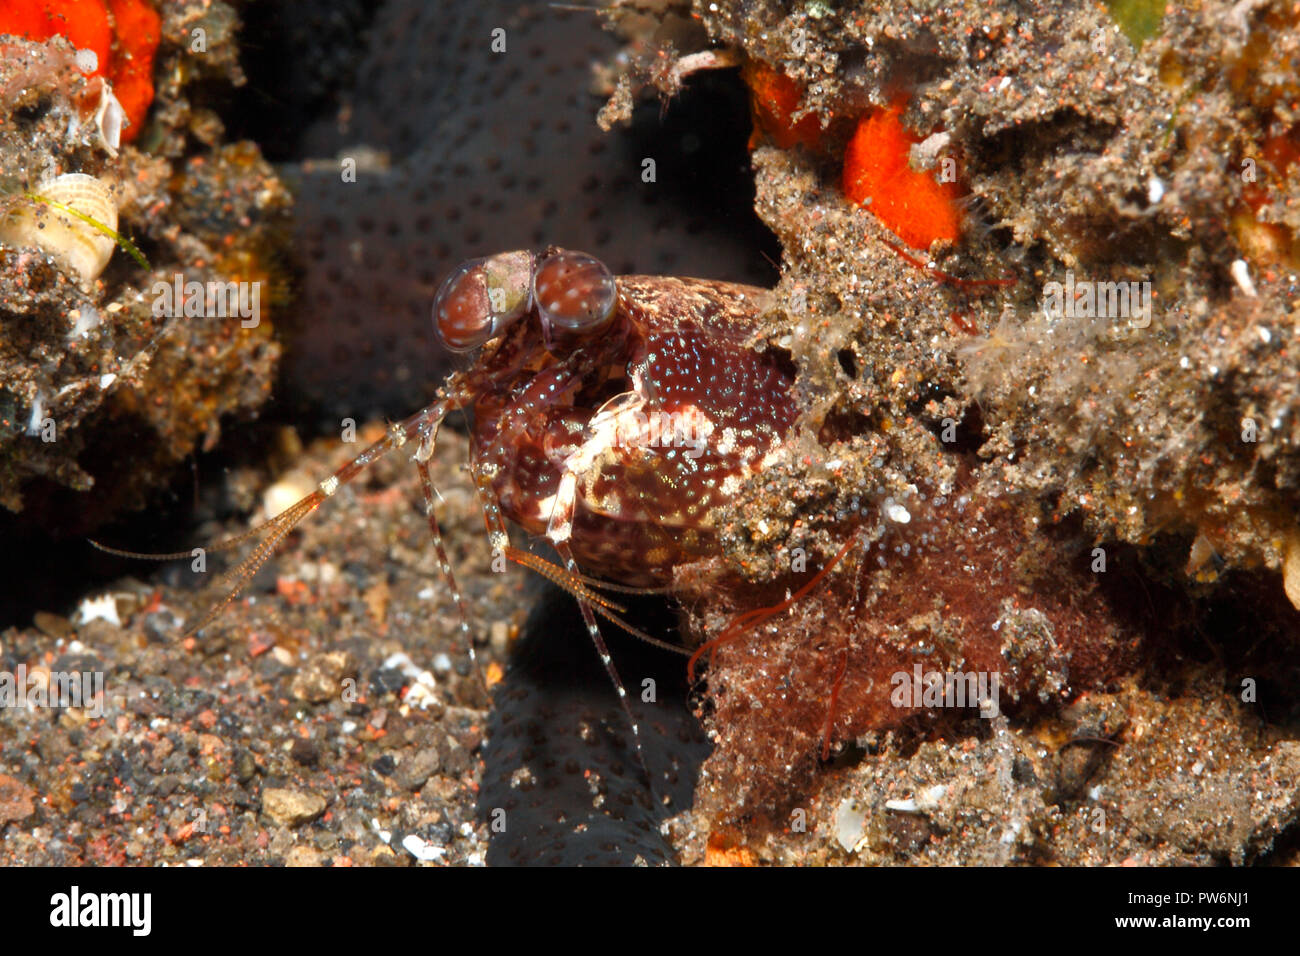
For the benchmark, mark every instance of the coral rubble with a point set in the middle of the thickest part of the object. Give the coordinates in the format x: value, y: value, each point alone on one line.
x: 94, y: 358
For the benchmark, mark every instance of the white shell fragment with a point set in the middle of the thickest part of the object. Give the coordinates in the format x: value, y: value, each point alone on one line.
x: 76, y: 245
x: 102, y: 608
x: 110, y: 117
x: 926, y: 800
x: 1241, y: 274
x: 850, y: 824
x: 423, y: 850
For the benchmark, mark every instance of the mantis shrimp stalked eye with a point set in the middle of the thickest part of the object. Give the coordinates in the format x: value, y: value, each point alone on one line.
x: 481, y: 298
x: 574, y: 292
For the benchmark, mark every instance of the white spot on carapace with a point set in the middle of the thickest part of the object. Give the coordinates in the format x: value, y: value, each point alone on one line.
x: 896, y: 512
x: 545, y: 507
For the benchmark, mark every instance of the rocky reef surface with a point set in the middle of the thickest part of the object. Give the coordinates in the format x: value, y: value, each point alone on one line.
x: 1088, y: 501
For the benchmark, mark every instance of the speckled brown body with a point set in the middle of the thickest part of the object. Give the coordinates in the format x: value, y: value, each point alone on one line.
x: 677, y: 348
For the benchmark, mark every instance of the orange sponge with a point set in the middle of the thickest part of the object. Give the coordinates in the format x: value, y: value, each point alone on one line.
x: 775, y: 98
x: 123, y: 34
x: 136, y: 31
x: 911, y: 204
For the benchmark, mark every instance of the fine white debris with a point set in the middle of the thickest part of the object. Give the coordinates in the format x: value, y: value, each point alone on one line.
x: 423, y: 850
x: 1241, y: 273
x: 84, y: 319
x: 102, y: 608
x: 928, y: 799
x: 1155, y: 190
x: 850, y: 824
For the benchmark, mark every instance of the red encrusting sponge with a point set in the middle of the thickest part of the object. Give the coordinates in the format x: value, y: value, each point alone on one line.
x: 775, y: 98
x: 911, y: 204
x: 123, y: 34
